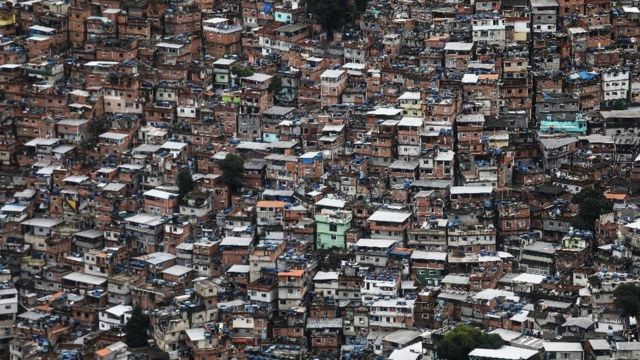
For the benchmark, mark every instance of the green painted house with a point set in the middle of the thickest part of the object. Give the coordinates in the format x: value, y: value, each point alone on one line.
x: 331, y: 228
x: 428, y: 267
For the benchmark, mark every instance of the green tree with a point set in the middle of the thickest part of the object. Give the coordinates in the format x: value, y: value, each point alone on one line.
x: 276, y: 85
x: 592, y: 204
x: 136, y: 329
x: 241, y: 71
x: 626, y: 298
x: 329, y: 13
x: 184, y: 182
x: 95, y: 128
x: 459, y: 342
x: 329, y: 259
x: 333, y: 14
x: 361, y: 5
x: 233, y: 171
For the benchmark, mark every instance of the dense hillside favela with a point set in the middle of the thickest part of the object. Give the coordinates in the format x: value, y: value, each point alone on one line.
x: 319, y: 179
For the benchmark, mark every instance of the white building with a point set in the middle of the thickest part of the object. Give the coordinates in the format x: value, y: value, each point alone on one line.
x: 615, y: 84
x: 411, y: 104
x: 326, y: 283
x: 489, y: 31
x: 373, y: 251
x: 8, y: 311
x: 262, y: 293
x: 114, y: 317
x: 381, y: 285
x: 563, y: 350
x: 91, y: 266
x: 391, y: 314
x: 283, y: 41
x: 333, y: 78
x: 410, y: 147
x: 38, y: 231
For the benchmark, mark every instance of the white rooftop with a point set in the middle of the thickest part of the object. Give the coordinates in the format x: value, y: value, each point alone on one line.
x: 177, y: 270
x: 85, y: 278
x: 73, y: 122
x: 505, y: 352
x: 411, y: 121
x: 331, y: 202
x: 42, y: 222
x: 146, y: 219
x: 223, y: 61
x: 376, y: 243
x: 76, y: 179
x: 119, y: 310
x: 42, y: 28
x: 410, y: 352
x: 458, y: 46
x: 389, y: 216
x: 490, y: 294
x: 239, y: 269
x: 332, y: 128
x: 332, y: 74
x: 156, y: 257
x: 562, y: 347
x: 112, y: 136
x: 385, y: 112
x: 13, y: 208
x: 457, y: 190
x: 215, y: 20
x: 410, y: 95
x: 42, y: 142
x: 528, y: 278
x: 159, y: 194
x: 195, y: 334
x: 101, y: 63
x: 169, y: 45
x: 506, y: 335
x: 174, y: 145
x: 470, y: 78
x: 455, y: 279
x: 236, y: 241
x: 428, y: 255
x: 326, y: 275
x: 257, y: 77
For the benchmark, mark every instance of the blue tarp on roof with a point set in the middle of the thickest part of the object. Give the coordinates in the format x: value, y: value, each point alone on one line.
x: 585, y: 75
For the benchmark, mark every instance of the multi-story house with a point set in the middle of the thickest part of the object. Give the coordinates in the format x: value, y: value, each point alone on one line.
x: 292, y: 287
x: 114, y: 317
x: 428, y: 267
x: 392, y: 314
x: 373, y: 252
x: 409, y: 140
x: 145, y: 230
x: 615, y: 84
x: 331, y: 228
x: 332, y: 84
x: 488, y: 30
x: 389, y: 224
